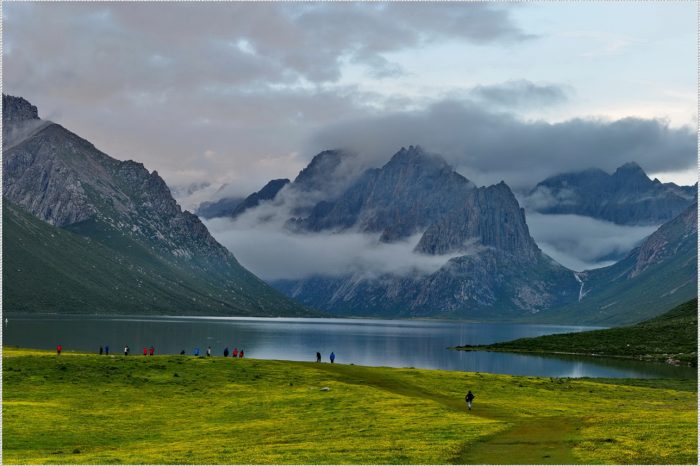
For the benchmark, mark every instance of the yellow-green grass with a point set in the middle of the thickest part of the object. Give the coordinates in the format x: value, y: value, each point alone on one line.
x: 79, y: 408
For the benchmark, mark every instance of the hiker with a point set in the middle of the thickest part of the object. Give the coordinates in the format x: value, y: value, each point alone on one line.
x: 208, y: 351
x: 145, y: 351
x: 468, y: 399
x: 151, y: 350
x: 101, y: 351
x: 196, y: 351
x: 332, y: 357
x: 226, y: 352
x: 126, y: 350
x: 318, y: 356
x: 182, y: 352
x: 235, y: 352
x: 240, y: 355
x: 106, y: 350
x: 58, y: 349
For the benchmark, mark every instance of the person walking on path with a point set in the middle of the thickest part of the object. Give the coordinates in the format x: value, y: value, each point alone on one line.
x: 106, y: 350
x: 240, y: 355
x: 318, y: 356
x: 226, y: 352
x: 151, y: 350
x: 101, y: 351
x: 469, y: 398
x: 126, y: 350
x: 208, y: 351
x: 196, y: 351
x: 332, y: 357
x: 145, y: 351
x: 58, y: 349
x: 235, y: 352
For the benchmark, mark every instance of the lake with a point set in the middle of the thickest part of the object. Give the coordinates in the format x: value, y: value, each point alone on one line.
x: 370, y: 342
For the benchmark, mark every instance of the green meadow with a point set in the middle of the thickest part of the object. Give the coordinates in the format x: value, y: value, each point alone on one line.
x: 82, y: 408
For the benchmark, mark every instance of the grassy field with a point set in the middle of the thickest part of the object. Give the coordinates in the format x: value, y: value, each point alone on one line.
x: 79, y: 408
x: 672, y: 335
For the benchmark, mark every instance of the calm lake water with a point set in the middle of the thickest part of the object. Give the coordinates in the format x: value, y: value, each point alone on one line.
x: 370, y: 342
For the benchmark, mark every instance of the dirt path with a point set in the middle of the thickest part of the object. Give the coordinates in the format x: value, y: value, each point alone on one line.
x: 532, y: 441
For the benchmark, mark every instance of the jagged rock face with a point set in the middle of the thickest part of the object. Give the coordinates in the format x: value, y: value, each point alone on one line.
x: 490, y: 216
x: 487, y: 284
x: 627, y: 197
x: 407, y: 194
x: 64, y: 180
x: 17, y: 109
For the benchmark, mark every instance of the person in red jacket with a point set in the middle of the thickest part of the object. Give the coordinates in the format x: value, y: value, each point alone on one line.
x: 145, y: 351
x: 235, y: 353
x: 240, y: 355
x: 58, y: 349
x: 151, y: 350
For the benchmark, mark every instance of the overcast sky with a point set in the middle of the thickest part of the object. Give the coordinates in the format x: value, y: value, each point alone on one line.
x: 241, y: 93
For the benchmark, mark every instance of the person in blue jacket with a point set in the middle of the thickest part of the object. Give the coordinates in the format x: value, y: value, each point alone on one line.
x: 332, y: 357
x: 196, y: 351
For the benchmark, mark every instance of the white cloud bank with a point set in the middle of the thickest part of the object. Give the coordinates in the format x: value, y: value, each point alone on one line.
x: 583, y: 243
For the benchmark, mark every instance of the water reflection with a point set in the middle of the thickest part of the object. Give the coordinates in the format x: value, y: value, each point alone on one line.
x: 420, y: 344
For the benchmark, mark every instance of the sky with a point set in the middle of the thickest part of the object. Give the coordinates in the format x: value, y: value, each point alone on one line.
x: 220, y: 98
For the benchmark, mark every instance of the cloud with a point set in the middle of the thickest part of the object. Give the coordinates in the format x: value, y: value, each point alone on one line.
x: 520, y: 93
x: 273, y: 253
x: 489, y: 146
x: 583, y: 243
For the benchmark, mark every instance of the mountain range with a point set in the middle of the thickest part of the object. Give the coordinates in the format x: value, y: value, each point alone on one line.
x: 86, y: 233
x: 493, y: 268
x: 626, y: 197
x: 68, y: 205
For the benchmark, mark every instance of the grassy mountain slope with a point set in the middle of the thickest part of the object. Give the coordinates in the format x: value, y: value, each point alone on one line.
x: 672, y: 335
x: 661, y: 273
x: 49, y: 269
x: 150, y: 256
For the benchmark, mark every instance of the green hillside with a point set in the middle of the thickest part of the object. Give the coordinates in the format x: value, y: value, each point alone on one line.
x: 672, y: 335
x: 49, y: 269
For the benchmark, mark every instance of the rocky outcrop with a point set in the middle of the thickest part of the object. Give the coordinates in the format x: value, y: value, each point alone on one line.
x: 627, y: 197
x: 16, y: 109
x: 490, y: 216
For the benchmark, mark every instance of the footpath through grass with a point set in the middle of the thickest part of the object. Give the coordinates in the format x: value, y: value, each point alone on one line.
x: 79, y: 408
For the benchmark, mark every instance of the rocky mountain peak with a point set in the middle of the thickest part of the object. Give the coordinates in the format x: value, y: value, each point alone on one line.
x: 17, y: 109
x: 417, y: 158
x: 322, y: 166
x: 632, y: 173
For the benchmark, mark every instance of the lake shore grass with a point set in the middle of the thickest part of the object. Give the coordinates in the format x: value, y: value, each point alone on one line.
x: 669, y: 338
x: 88, y: 409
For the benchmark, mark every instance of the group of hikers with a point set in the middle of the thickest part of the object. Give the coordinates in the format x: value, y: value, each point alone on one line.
x: 150, y: 351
